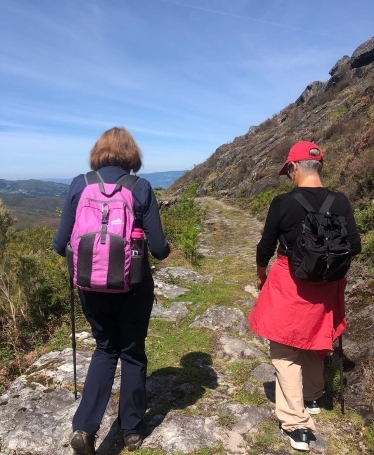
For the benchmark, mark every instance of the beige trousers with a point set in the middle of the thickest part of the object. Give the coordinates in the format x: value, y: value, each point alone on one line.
x: 299, y: 377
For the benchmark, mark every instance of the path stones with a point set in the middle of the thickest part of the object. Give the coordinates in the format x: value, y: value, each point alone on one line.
x: 169, y: 291
x: 252, y: 290
x: 224, y: 319
x: 234, y: 349
x: 182, y: 273
x: 162, y: 279
x: 246, y: 417
x: 37, y: 409
x: 174, y: 313
x: 264, y: 373
x: 183, y: 434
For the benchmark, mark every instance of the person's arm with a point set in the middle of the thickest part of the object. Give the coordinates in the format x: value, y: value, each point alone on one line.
x: 67, y: 220
x: 268, y: 243
x: 261, y: 277
x: 157, y: 242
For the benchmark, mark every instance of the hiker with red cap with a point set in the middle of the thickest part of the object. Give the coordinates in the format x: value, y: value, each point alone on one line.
x: 301, y: 318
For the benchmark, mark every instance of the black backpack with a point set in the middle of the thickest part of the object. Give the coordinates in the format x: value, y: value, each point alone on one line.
x: 321, y: 251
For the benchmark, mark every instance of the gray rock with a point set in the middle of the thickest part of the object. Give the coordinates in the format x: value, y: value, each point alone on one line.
x: 319, y: 446
x: 182, y: 273
x: 340, y: 66
x: 252, y: 130
x: 183, y: 434
x: 176, y: 311
x: 311, y: 90
x: 252, y: 290
x: 264, y: 373
x: 247, y: 417
x: 248, y: 387
x: 234, y: 349
x: 221, y: 318
x: 37, y: 410
x: 169, y: 291
x: 364, y: 54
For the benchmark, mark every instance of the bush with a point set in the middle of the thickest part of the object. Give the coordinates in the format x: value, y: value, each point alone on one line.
x: 369, y: 437
x: 34, y: 292
x: 259, y: 203
x: 182, y: 223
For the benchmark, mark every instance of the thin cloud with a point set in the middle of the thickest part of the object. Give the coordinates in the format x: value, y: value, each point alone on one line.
x: 240, y: 16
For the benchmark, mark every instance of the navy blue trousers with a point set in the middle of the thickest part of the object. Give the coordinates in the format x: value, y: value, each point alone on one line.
x: 119, y: 325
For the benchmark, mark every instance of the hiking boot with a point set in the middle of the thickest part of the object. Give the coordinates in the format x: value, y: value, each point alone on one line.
x: 299, y: 438
x: 82, y: 443
x: 312, y: 407
x: 134, y: 440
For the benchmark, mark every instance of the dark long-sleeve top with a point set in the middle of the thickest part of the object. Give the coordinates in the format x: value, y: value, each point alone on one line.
x: 286, y: 214
x: 145, y: 207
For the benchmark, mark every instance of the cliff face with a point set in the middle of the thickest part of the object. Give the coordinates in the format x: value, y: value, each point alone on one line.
x: 337, y: 114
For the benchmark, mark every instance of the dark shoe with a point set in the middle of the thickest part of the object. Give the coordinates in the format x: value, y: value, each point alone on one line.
x: 134, y: 441
x: 299, y: 438
x: 312, y: 407
x: 82, y: 443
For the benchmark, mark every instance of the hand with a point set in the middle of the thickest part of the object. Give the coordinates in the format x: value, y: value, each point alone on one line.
x: 261, y: 281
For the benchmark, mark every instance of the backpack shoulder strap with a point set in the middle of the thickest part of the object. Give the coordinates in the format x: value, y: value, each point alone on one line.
x: 327, y: 202
x: 128, y: 181
x: 93, y: 177
x: 302, y: 201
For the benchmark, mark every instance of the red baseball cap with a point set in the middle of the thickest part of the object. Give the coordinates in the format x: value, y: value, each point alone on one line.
x: 302, y: 151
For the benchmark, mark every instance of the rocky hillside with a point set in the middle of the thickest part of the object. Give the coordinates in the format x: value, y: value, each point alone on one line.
x: 337, y: 114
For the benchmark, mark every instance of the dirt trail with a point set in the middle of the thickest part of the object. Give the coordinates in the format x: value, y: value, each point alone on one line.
x: 231, y: 232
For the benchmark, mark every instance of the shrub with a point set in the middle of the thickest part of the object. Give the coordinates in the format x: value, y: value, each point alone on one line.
x: 182, y: 223
x: 34, y: 292
x: 369, y: 437
x: 262, y: 201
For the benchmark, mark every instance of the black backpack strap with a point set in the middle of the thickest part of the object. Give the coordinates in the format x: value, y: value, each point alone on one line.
x: 327, y: 203
x: 93, y: 177
x: 128, y: 181
x: 302, y: 201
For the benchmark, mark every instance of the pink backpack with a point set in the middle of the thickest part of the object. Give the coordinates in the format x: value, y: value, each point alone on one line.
x: 99, y: 253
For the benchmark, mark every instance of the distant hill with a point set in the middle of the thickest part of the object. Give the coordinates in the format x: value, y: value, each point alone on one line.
x: 33, y: 188
x: 34, y: 202
x: 156, y: 179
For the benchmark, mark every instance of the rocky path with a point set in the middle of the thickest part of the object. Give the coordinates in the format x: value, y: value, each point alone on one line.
x: 216, y: 402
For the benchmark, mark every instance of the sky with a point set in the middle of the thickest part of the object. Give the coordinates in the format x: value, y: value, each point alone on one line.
x: 183, y: 77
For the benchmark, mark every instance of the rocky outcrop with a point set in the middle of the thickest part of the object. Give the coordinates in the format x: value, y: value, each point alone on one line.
x: 311, y: 90
x: 363, y: 55
x: 340, y: 66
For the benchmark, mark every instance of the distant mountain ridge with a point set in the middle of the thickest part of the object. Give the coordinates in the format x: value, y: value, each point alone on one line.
x: 156, y: 179
x: 55, y: 187
x: 35, y: 202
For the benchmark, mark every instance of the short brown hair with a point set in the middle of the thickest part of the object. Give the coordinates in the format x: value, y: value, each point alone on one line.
x: 116, y: 147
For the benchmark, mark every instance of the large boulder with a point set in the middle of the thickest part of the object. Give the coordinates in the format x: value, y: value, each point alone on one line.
x: 364, y: 54
x: 311, y: 90
x: 340, y: 66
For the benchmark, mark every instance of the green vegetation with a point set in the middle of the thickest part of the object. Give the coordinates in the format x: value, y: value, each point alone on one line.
x: 260, y: 203
x: 183, y: 223
x: 364, y: 216
x: 33, y: 292
x: 369, y: 436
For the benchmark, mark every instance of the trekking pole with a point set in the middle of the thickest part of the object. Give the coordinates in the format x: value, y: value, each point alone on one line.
x: 73, y: 343
x: 341, y: 373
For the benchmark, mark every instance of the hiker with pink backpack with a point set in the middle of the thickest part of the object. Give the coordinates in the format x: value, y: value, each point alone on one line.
x: 107, y: 212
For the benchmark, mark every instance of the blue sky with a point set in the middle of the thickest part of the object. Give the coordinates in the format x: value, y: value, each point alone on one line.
x: 183, y: 77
